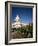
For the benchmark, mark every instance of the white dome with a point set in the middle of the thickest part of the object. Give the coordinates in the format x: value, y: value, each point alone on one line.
x: 17, y: 23
x: 17, y: 18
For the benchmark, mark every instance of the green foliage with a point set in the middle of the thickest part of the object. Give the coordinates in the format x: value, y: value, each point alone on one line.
x: 24, y: 31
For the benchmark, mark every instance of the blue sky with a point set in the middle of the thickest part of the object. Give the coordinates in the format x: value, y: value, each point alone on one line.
x: 25, y: 14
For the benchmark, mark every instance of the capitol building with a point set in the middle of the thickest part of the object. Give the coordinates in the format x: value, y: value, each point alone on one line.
x: 17, y: 23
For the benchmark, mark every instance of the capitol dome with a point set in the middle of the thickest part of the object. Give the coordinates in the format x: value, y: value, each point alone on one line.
x: 17, y: 22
